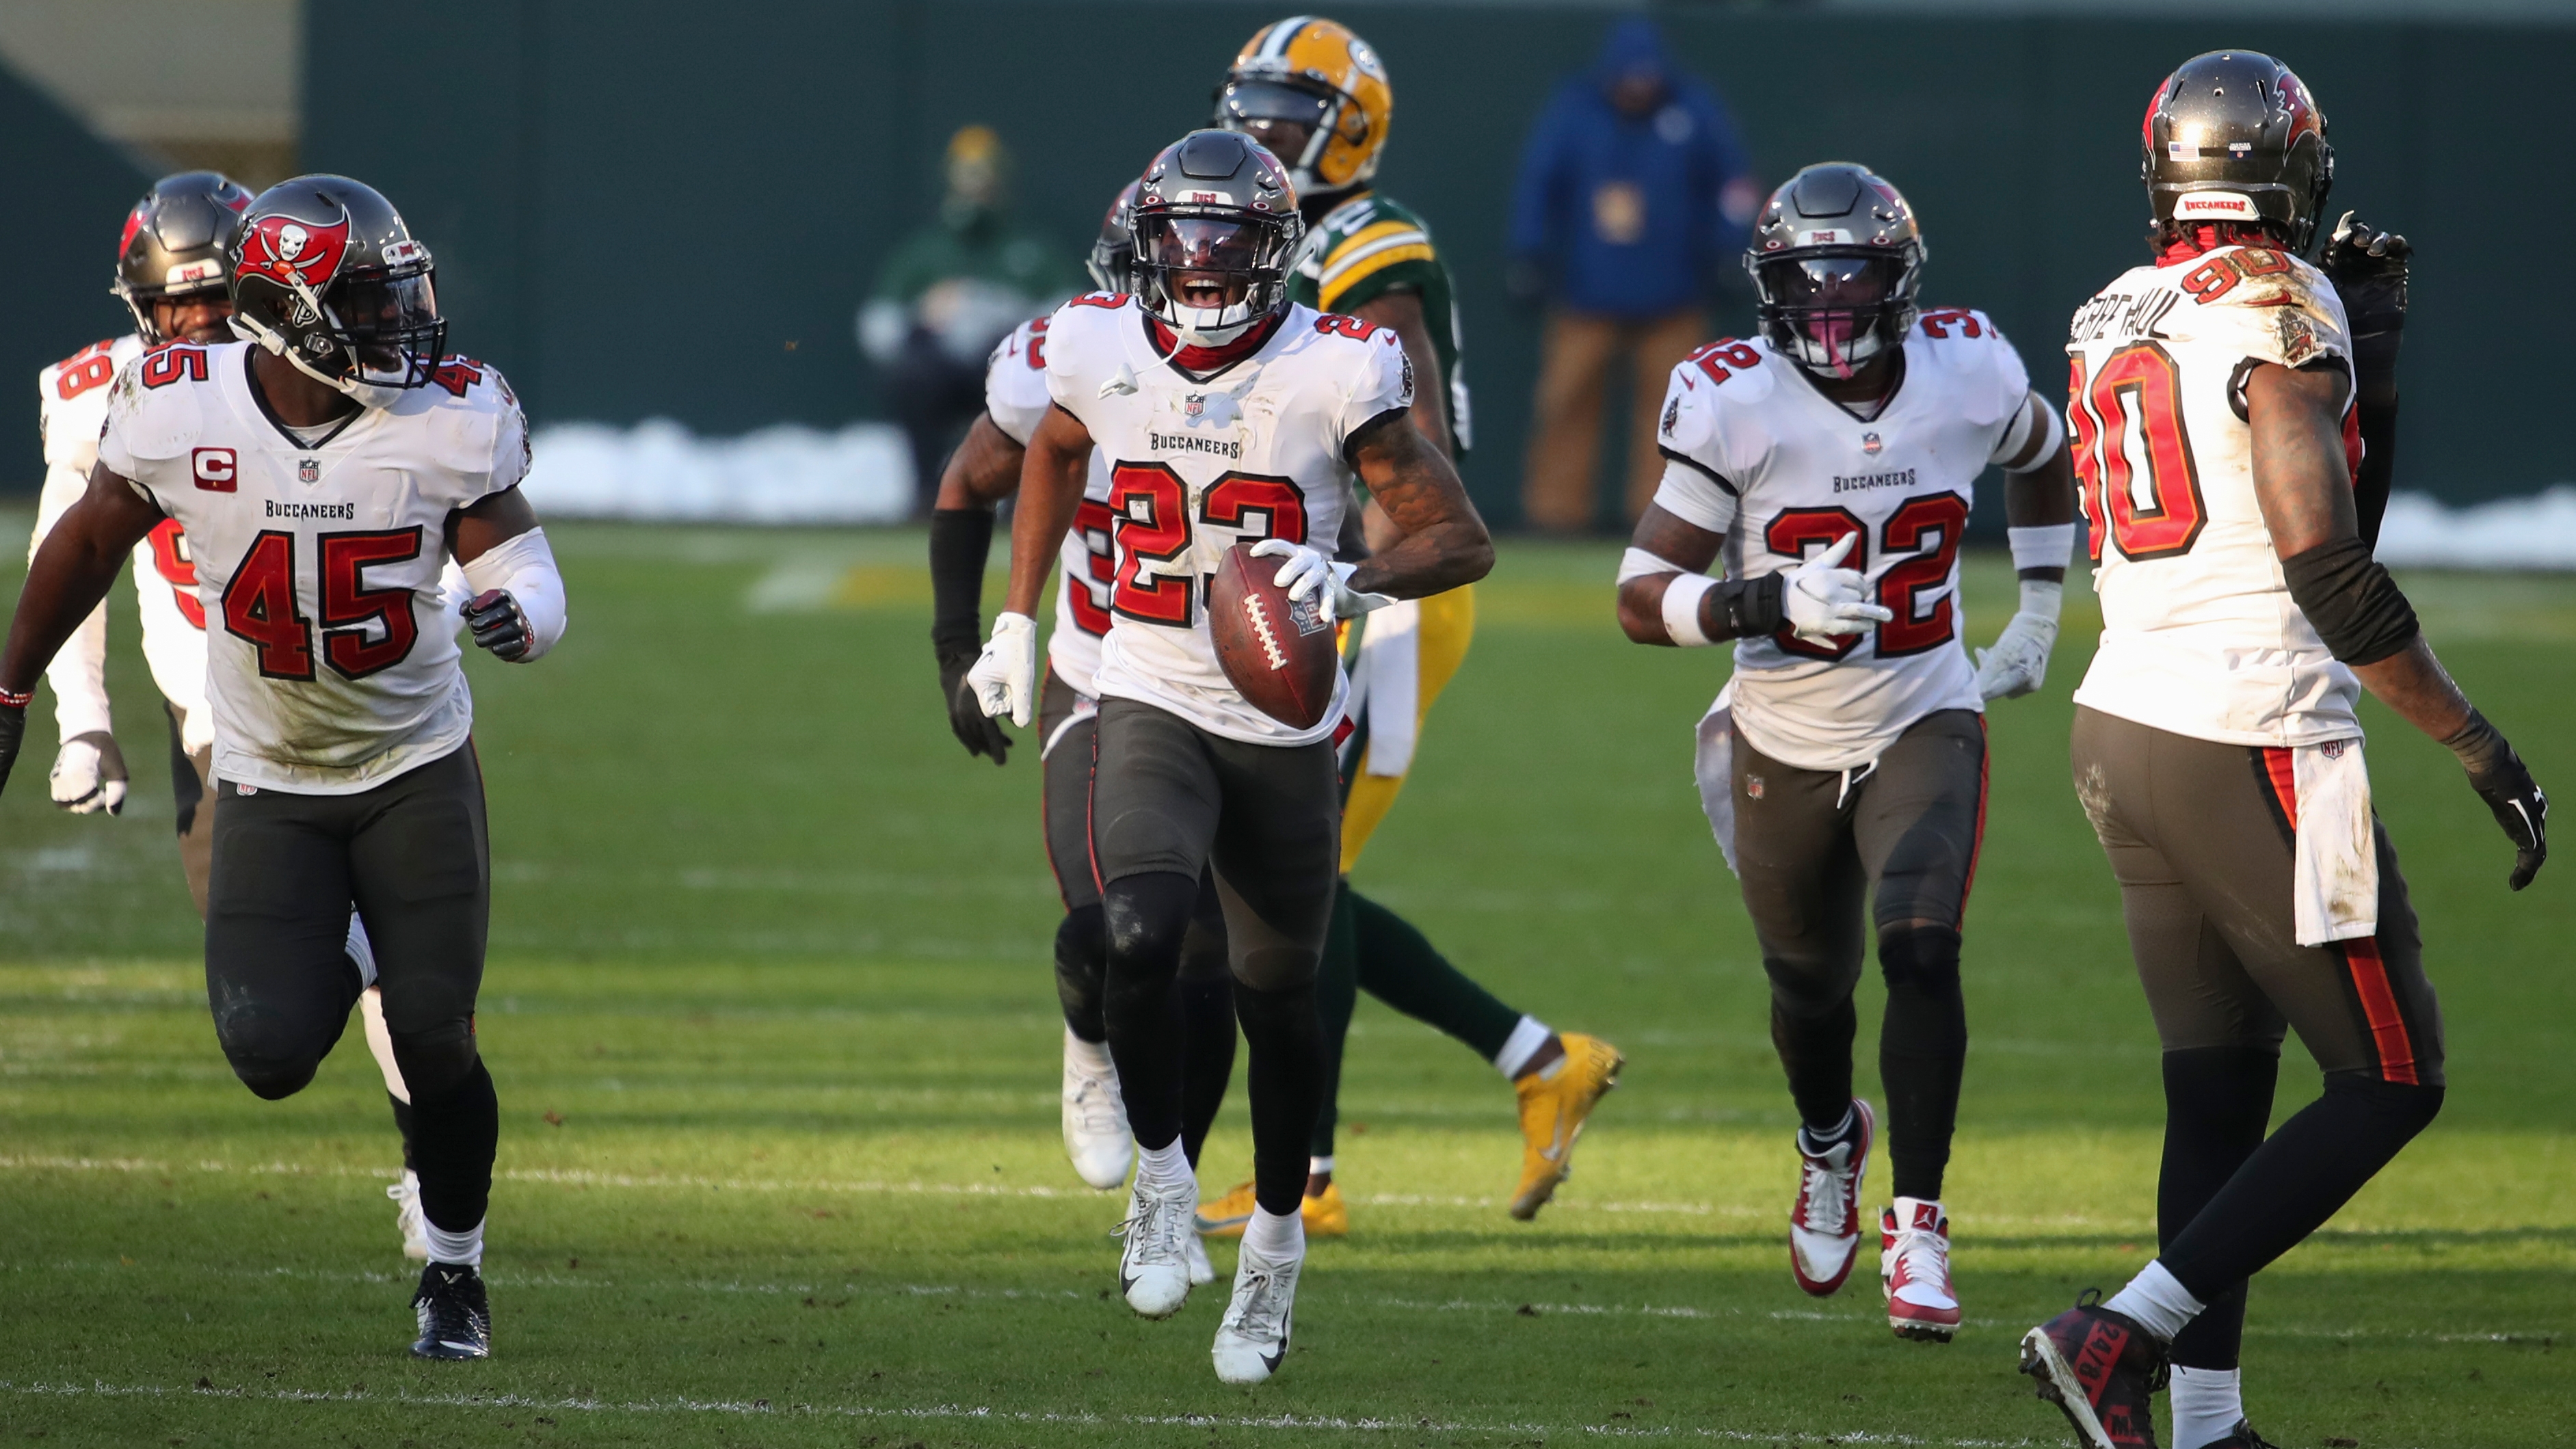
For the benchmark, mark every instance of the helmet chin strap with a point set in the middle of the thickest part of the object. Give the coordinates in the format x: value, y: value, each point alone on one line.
x: 364, y: 394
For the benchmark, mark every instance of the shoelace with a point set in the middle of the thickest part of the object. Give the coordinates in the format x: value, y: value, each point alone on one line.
x: 1252, y: 1303
x: 1155, y: 1229
x: 1095, y: 1103
x: 1828, y: 1200
x: 1923, y: 1257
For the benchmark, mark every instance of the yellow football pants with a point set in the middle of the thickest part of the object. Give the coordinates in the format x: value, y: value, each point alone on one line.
x: 1448, y: 625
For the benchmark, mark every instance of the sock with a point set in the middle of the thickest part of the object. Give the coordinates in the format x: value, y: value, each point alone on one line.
x: 2207, y: 1404
x: 1163, y: 1166
x: 1319, y: 1167
x: 1812, y: 1141
x: 1092, y: 1056
x: 1284, y: 1035
x: 1337, y: 995
x: 1816, y: 1052
x: 2157, y: 1301
x: 1922, y: 1052
x: 1520, y: 1046
x: 1207, y: 1054
x: 2218, y: 1102
x: 1275, y: 1235
x: 1147, y: 916
x: 465, y: 1247
x: 1399, y: 966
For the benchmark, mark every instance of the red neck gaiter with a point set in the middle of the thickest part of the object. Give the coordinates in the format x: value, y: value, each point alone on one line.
x: 1205, y: 360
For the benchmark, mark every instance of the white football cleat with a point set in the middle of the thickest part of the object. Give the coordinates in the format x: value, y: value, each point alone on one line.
x: 1154, y: 1267
x: 1914, y: 1270
x: 1824, y: 1224
x: 1202, y: 1272
x: 1095, y: 1117
x: 407, y: 1218
x: 1252, y: 1340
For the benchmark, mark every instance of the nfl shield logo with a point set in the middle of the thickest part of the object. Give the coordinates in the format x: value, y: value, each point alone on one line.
x: 1753, y: 787
x: 308, y: 470
x: 1194, y: 407
x: 1870, y: 444
x: 2331, y: 749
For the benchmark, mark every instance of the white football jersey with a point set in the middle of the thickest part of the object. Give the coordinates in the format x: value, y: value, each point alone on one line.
x: 1015, y: 397
x: 1784, y: 472
x: 2199, y: 635
x: 71, y: 408
x: 1253, y: 452
x: 332, y: 663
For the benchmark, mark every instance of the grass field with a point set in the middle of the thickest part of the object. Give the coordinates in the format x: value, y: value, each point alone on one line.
x: 770, y: 1013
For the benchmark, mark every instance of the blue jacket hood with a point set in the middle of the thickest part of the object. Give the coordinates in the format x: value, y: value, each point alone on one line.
x: 1633, y: 44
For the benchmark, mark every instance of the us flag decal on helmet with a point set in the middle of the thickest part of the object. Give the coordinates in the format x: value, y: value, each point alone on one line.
x: 296, y: 251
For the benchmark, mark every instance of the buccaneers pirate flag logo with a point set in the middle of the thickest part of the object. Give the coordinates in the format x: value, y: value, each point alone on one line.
x: 293, y: 251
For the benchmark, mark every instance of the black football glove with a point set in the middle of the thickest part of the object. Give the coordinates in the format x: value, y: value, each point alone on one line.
x: 978, y: 732
x: 2368, y: 269
x: 13, y: 731
x: 2497, y: 774
x: 499, y: 624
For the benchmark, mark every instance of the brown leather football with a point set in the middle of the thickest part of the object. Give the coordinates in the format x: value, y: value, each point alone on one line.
x: 1281, y: 655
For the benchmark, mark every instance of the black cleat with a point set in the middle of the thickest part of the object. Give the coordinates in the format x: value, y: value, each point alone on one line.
x: 2102, y: 1370
x: 2243, y: 1437
x: 455, y: 1317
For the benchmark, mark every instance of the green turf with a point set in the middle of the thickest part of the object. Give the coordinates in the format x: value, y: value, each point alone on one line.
x: 770, y: 1014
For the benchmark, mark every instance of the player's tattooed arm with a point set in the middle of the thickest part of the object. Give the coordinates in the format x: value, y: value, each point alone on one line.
x: 1402, y: 311
x: 2304, y: 486
x: 1444, y: 542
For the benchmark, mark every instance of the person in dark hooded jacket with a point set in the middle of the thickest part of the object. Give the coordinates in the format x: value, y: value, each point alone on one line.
x: 1634, y: 195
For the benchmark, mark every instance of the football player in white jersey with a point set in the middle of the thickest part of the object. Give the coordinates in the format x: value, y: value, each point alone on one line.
x: 171, y: 273
x: 1227, y: 413
x: 2217, y: 751
x: 324, y: 471
x: 983, y: 471
x: 1831, y: 462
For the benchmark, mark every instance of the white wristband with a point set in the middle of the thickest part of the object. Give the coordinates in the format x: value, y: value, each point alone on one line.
x: 1636, y: 563
x: 524, y: 564
x: 2042, y: 548
x: 1681, y: 608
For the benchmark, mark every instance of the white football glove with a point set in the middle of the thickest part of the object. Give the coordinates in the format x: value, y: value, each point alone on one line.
x: 1005, y: 678
x: 1824, y: 600
x: 89, y: 775
x: 1307, y: 570
x: 2018, y: 663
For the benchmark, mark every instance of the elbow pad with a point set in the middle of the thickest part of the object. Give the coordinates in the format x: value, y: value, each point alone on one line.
x: 2356, y: 608
x: 524, y: 566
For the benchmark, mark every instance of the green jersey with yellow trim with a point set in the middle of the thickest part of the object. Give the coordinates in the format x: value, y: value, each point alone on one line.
x: 1367, y: 247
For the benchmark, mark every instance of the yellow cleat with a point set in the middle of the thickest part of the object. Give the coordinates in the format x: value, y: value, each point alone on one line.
x: 1555, y: 1103
x: 1326, y: 1215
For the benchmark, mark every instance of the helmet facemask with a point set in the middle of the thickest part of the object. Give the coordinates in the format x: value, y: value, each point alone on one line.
x: 1833, y: 311
x: 1293, y: 121
x: 1212, y: 277
x: 373, y: 335
x: 1112, y: 262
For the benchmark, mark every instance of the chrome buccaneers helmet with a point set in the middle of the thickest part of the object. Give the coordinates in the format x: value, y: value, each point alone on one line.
x: 326, y: 275
x: 2233, y: 136
x: 1112, y: 262
x: 176, y: 243
x: 1837, y: 263
x: 1216, y: 227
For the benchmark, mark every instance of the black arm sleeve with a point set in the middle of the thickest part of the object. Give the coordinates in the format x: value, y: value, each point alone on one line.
x: 2356, y: 607
x: 2378, y: 466
x: 959, y: 540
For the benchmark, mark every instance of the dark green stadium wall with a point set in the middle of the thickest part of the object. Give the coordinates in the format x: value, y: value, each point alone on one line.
x: 661, y: 208
x: 59, y: 252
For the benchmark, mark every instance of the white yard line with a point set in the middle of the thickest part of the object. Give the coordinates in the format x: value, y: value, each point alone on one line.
x: 1301, y: 1423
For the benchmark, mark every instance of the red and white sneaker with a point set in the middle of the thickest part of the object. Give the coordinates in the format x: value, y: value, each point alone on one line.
x: 1914, y: 1270
x: 1824, y: 1224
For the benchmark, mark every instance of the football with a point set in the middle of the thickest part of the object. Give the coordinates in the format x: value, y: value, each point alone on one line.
x: 1281, y: 654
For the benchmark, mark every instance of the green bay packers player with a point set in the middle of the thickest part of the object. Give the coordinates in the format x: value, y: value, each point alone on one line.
x: 1318, y: 97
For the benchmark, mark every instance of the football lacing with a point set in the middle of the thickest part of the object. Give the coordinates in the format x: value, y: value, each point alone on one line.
x: 1257, y: 613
